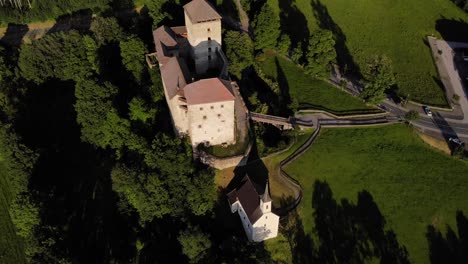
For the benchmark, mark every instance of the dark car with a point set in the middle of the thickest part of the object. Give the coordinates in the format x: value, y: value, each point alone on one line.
x: 427, y: 110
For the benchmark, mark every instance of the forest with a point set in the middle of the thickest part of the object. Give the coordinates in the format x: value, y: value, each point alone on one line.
x: 91, y: 169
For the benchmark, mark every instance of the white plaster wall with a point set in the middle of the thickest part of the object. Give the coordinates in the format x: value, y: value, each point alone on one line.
x: 202, y: 41
x: 265, y: 207
x: 248, y: 228
x: 213, y: 123
x: 179, y: 116
x: 266, y: 227
x: 198, y: 32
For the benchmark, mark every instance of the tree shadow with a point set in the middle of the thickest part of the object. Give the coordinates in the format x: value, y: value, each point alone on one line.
x: 302, y: 245
x: 14, y: 34
x: 353, y: 233
x: 284, y: 96
x: 72, y: 181
x: 452, y: 248
x: 444, y: 126
x: 452, y: 30
x: 293, y: 23
x: 79, y: 20
x: 344, y: 58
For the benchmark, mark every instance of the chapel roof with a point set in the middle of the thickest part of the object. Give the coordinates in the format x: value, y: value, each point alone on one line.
x: 200, y: 11
x: 248, y: 197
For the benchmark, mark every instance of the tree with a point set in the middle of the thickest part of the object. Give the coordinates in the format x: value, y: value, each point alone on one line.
x: 266, y: 26
x: 239, y: 50
x: 412, y: 115
x: 106, y: 30
x: 157, y: 11
x: 146, y: 192
x: 100, y: 123
x: 378, y: 77
x: 195, y: 244
x: 284, y: 44
x: 66, y: 56
x: 321, y: 53
x: 132, y: 51
x: 201, y: 195
x: 140, y: 111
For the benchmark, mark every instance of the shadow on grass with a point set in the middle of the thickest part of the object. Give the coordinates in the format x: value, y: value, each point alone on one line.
x: 452, y: 30
x: 344, y: 57
x: 14, y: 34
x: 293, y: 23
x: 284, y: 97
x: 452, y: 248
x: 345, y: 232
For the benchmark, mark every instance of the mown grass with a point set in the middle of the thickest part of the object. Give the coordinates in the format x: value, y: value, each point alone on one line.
x: 310, y: 93
x: 11, y: 249
x: 413, y: 185
x: 396, y: 29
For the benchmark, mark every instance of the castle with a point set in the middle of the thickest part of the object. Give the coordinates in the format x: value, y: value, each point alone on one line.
x: 254, y: 211
x: 195, y: 78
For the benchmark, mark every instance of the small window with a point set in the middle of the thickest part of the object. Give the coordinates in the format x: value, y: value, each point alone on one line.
x: 204, y: 117
x: 209, y: 49
x: 209, y: 39
x: 219, y: 115
x: 208, y: 29
x: 209, y: 57
x: 264, y: 225
x: 201, y: 108
x: 266, y: 217
x: 222, y: 106
x: 199, y: 126
x: 267, y: 206
x: 248, y: 225
x: 219, y: 130
x: 212, y: 107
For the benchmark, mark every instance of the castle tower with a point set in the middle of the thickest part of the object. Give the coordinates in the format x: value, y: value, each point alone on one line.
x: 203, y: 25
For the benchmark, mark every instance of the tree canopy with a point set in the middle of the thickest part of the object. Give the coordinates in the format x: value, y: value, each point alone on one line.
x: 133, y: 52
x: 321, y: 53
x: 379, y: 77
x: 239, y: 50
x: 266, y: 28
x: 65, y: 56
x: 194, y: 244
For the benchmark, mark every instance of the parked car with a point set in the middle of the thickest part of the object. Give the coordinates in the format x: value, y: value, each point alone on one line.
x: 427, y: 110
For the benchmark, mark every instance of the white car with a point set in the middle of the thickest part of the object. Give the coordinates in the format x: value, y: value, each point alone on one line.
x: 427, y: 110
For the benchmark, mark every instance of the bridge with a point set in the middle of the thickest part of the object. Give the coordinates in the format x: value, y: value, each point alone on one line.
x: 280, y: 122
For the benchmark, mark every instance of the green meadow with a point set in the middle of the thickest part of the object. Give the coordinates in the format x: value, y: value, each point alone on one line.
x: 410, y: 186
x: 397, y: 29
x: 310, y: 92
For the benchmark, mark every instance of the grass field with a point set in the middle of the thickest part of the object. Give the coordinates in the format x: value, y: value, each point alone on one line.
x: 364, y: 28
x: 11, y: 250
x: 412, y: 185
x: 310, y: 93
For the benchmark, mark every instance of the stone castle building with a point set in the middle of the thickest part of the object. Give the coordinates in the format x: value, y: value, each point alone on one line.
x: 254, y: 211
x: 194, y: 75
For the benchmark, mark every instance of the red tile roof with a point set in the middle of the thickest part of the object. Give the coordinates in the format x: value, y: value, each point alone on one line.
x: 164, y: 40
x: 208, y: 91
x: 175, y: 75
x: 200, y: 11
